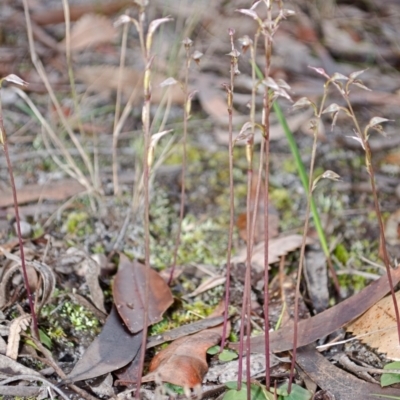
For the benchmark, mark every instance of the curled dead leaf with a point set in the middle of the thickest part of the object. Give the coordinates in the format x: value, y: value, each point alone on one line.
x: 17, y: 325
x: 48, y: 279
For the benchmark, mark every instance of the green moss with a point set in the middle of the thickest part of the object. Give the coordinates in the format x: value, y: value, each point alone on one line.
x: 59, y: 322
x: 185, y: 314
x: 280, y: 198
x: 78, y: 224
x: 174, y: 388
x: 355, y: 282
x: 80, y: 318
x: 202, y: 240
x: 98, y: 249
x: 342, y: 254
x: 289, y: 166
x: 38, y: 231
x: 193, y: 155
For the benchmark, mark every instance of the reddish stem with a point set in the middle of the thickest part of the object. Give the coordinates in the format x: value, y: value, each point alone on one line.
x: 231, y: 198
x: 18, y: 222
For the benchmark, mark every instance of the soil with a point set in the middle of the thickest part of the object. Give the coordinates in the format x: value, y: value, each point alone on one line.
x: 64, y: 227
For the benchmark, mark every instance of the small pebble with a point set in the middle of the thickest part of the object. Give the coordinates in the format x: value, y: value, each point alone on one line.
x: 26, y: 229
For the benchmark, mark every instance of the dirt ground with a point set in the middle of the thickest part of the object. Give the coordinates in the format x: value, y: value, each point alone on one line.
x: 75, y: 224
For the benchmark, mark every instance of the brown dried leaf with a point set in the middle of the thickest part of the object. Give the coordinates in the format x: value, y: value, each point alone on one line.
x: 277, y: 247
x: 379, y: 326
x: 57, y: 190
x: 129, y: 294
x: 328, y: 321
x: 338, y: 382
x: 104, y: 79
x: 9, y: 367
x: 208, y: 284
x: 185, y: 330
x: 128, y: 375
x: 92, y: 278
x: 76, y: 11
x: 183, y: 362
x: 114, y: 348
x: 17, y: 325
x: 48, y: 279
x: 91, y: 30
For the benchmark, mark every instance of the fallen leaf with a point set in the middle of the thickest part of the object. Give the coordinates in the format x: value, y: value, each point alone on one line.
x: 184, y: 330
x: 48, y: 279
x: 76, y: 11
x: 114, y: 348
x: 342, y: 385
x: 17, y: 325
x: 130, y: 297
x: 379, y: 326
x: 277, y: 247
x: 9, y: 367
x: 104, y: 79
x: 208, y: 284
x: 325, y: 323
x: 183, y: 362
x: 91, y: 30
x: 57, y: 190
x: 340, y: 41
x: 128, y: 375
x: 92, y: 272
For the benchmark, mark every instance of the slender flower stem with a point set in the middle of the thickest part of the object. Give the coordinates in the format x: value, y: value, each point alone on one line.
x: 267, y: 111
x: 301, y: 263
x: 118, y: 109
x: 146, y: 191
x: 246, y: 300
x: 184, y: 162
x: 3, y: 141
x: 371, y: 173
x: 231, y: 195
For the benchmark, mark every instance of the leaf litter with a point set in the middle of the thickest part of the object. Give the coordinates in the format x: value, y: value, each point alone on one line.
x: 114, y: 348
x: 183, y: 362
x: 130, y: 298
x: 213, y: 24
x: 378, y: 329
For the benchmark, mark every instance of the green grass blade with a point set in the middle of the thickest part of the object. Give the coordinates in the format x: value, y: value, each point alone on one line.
x: 303, y: 175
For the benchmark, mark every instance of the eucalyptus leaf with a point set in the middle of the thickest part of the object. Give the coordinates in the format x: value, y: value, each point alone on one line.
x: 213, y: 350
x: 297, y: 393
x: 228, y: 355
x: 390, y: 379
x: 257, y: 392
